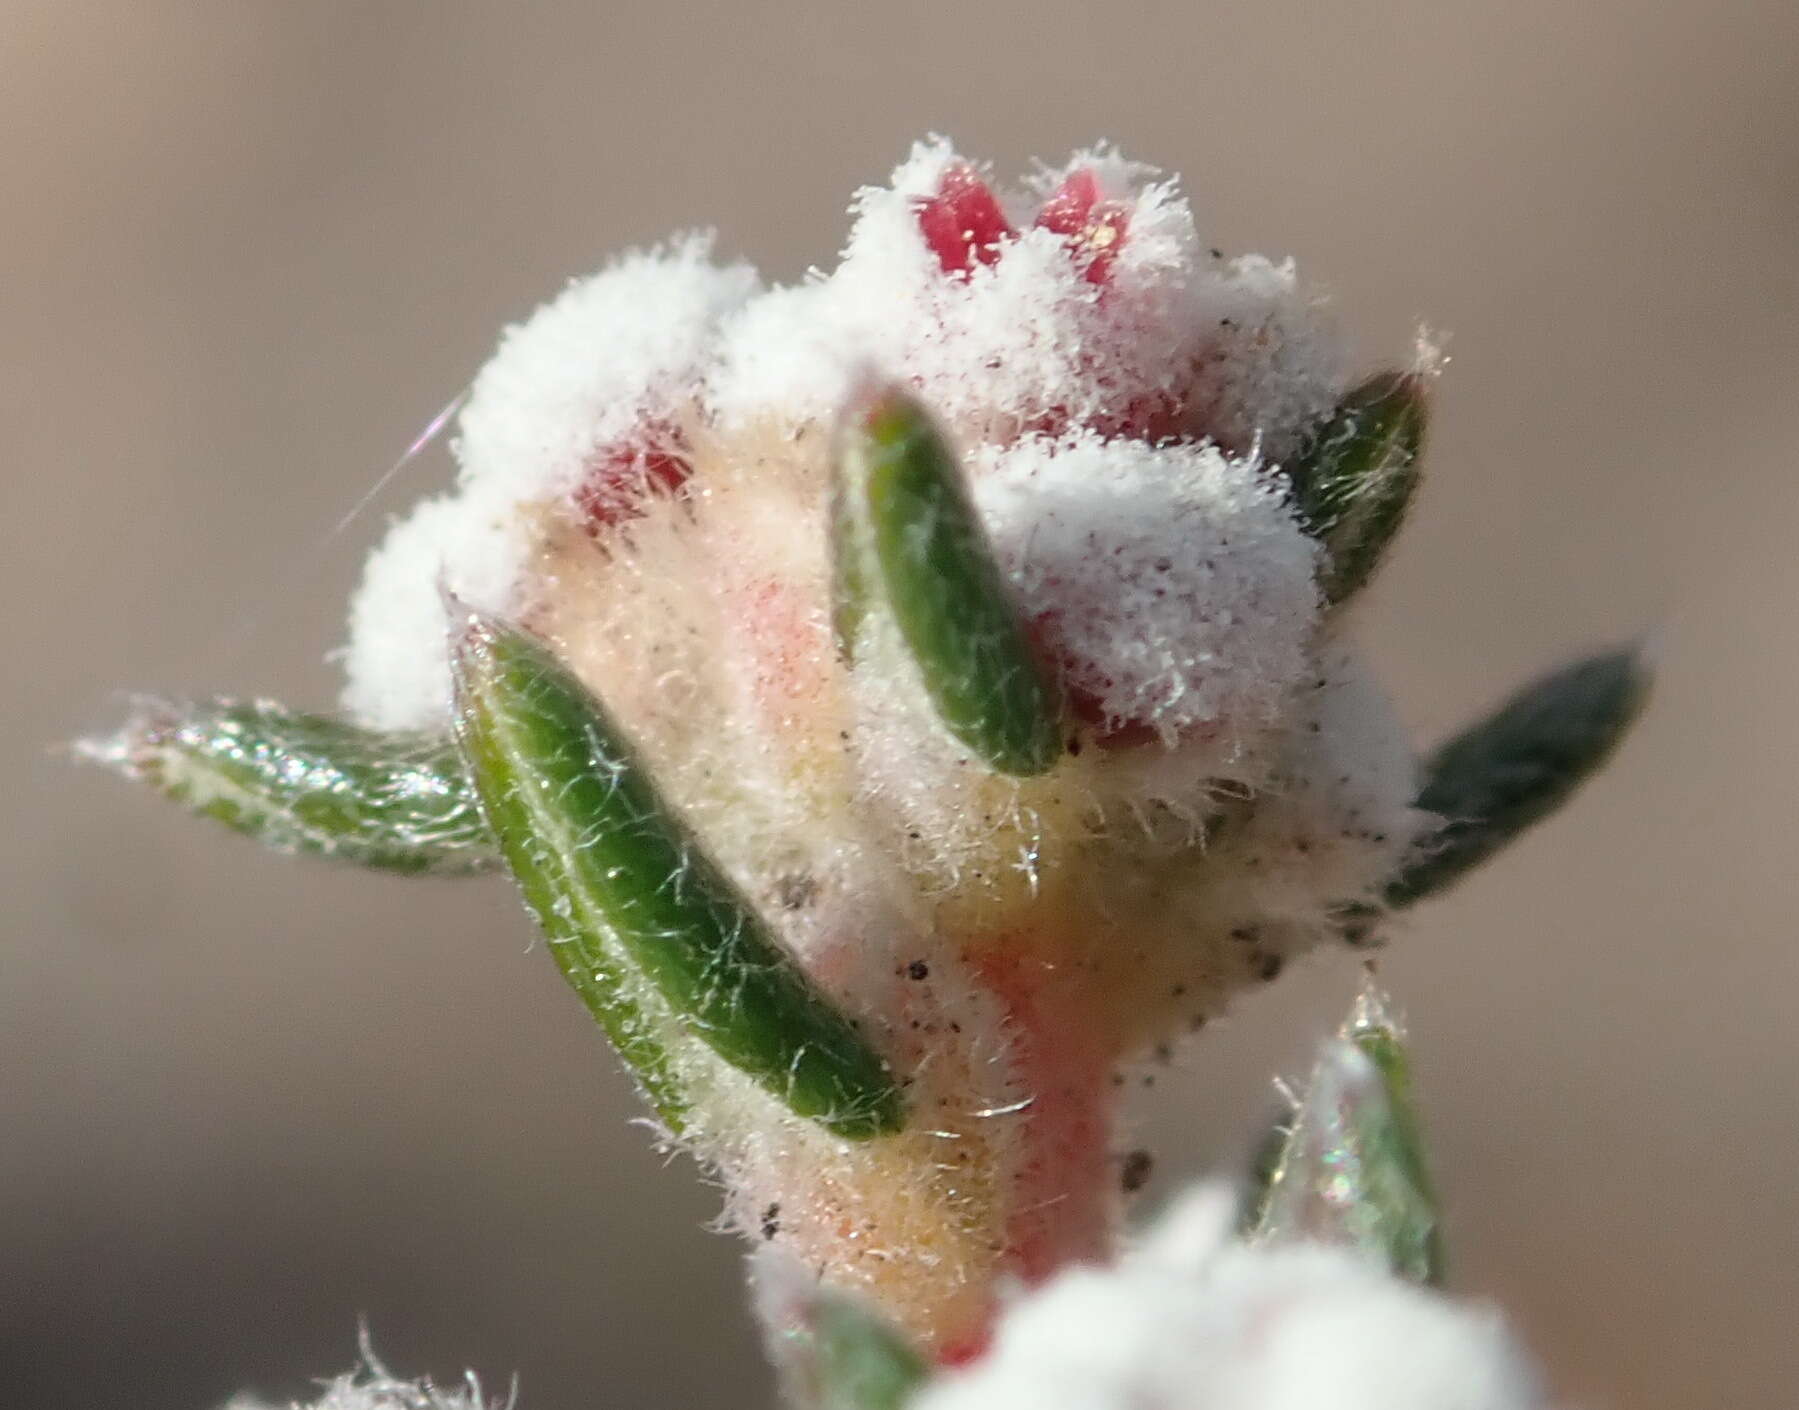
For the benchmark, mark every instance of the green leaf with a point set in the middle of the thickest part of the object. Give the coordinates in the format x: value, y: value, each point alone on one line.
x: 1521, y: 763
x: 308, y: 783
x: 858, y: 1360
x: 1355, y: 478
x: 642, y: 919
x: 1352, y: 1170
x: 905, y: 536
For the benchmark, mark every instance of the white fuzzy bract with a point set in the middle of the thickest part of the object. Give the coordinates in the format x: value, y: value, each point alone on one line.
x: 1193, y: 1321
x: 1171, y: 583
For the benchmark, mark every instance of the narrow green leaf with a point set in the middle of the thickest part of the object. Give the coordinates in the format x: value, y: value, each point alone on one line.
x: 308, y: 783
x: 1519, y: 764
x: 1352, y: 1170
x: 858, y: 1360
x: 538, y: 842
x: 637, y: 909
x: 905, y: 533
x: 1354, y: 480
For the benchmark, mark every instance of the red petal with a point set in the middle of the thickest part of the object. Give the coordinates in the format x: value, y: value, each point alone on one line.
x: 1094, y: 229
x: 963, y: 223
x: 620, y: 477
x: 1067, y: 210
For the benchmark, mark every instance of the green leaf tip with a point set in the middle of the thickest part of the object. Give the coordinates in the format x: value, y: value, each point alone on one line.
x: 905, y: 536
x: 647, y: 928
x: 1520, y: 763
x: 854, y: 1359
x: 311, y: 784
x: 1352, y: 1169
x: 1354, y: 480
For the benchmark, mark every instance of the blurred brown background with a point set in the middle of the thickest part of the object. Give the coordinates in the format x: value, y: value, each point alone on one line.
x: 249, y: 248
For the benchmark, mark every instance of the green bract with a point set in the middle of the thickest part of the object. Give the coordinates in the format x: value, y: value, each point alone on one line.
x: 308, y: 783
x: 653, y: 935
x: 1520, y: 763
x: 905, y: 538
x: 1352, y: 1169
x: 1354, y: 480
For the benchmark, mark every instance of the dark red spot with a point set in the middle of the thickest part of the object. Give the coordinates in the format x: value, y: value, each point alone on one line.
x: 1094, y: 228
x: 963, y: 223
x: 968, y: 1349
x: 620, y: 477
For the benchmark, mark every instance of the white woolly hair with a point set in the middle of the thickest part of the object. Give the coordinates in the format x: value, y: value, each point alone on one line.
x: 1172, y: 584
x: 357, y: 1392
x: 631, y: 356
x: 373, y: 1387
x: 1193, y: 1321
x: 616, y: 350
x: 397, y: 663
x: 1333, y: 820
x: 1027, y: 339
x: 617, y: 354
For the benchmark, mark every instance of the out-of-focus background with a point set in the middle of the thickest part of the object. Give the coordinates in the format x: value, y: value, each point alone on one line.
x: 249, y: 249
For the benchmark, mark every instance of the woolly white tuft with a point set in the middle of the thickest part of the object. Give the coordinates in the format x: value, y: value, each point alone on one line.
x: 1192, y: 1321
x: 1172, y: 583
x: 610, y: 368
x: 374, y: 1387
x: 397, y: 664
x: 1334, y: 818
x: 618, y: 353
x: 1273, y: 364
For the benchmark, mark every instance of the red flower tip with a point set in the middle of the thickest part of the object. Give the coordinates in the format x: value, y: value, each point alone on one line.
x: 963, y: 223
x: 1067, y: 209
x: 1094, y: 229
